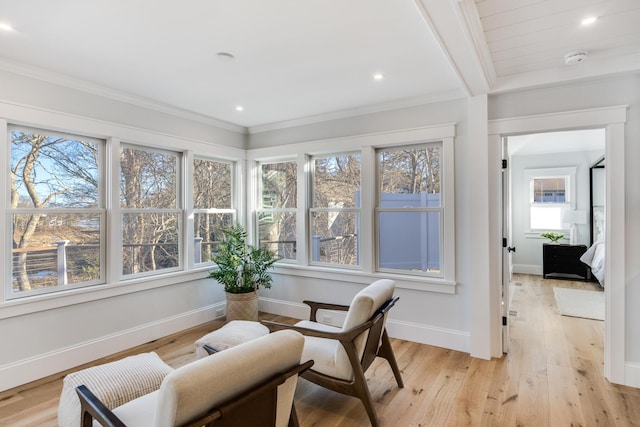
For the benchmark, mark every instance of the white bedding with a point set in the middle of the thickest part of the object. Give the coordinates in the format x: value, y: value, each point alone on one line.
x: 594, y: 258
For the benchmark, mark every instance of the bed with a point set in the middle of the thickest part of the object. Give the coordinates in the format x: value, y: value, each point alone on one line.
x: 594, y: 256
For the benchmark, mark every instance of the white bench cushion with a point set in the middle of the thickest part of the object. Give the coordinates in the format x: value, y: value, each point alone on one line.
x: 230, y: 335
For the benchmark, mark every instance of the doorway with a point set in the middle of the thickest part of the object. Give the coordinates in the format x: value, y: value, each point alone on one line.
x: 613, y: 120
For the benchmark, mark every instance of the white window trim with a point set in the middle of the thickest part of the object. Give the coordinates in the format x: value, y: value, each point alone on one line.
x: 570, y: 192
x: 78, y: 125
x: 367, y: 144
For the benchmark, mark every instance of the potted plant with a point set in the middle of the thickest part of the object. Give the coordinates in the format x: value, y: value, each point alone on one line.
x: 554, y: 237
x: 242, y: 270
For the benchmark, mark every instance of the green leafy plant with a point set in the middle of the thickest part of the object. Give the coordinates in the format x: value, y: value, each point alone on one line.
x: 242, y: 268
x: 554, y: 237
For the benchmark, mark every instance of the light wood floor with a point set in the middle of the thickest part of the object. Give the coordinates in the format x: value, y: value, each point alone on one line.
x: 552, y: 376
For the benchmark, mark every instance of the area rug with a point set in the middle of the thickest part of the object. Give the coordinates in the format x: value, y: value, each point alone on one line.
x: 580, y: 303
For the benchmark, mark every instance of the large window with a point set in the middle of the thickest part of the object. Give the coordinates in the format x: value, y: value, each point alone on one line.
x: 213, y: 205
x: 550, y: 197
x: 57, y: 211
x: 409, y: 209
x: 335, y: 212
x: 150, y: 211
x: 277, y: 207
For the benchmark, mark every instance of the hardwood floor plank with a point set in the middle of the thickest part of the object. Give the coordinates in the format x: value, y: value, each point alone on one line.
x: 553, y: 375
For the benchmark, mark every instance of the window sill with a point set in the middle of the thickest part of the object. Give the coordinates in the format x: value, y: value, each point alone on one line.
x: 418, y: 283
x: 36, y: 303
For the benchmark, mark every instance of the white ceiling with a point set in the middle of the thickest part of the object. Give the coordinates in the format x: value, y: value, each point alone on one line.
x: 308, y: 60
x: 557, y: 142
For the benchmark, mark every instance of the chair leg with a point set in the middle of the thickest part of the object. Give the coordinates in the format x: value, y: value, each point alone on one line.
x: 293, y: 418
x: 362, y: 393
x: 386, y: 351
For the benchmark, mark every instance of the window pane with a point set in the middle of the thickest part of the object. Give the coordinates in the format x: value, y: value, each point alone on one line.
x: 409, y: 241
x: 279, y: 185
x: 50, y: 170
x: 63, y: 249
x: 211, y: 184
x: 337, y: 182
x: 410, y: 170
x: 147, y: 179
x: 334, y: 237
x: 207, y: 226
x: 549, y: 190
x: 277, y: 232
x: 150, y: 241
x: 546, y: 217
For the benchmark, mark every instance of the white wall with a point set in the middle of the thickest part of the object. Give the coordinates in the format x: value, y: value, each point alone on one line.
x: 618, y: 90
x: 528, y: 256
x: 420, y: 315
x: 45, y: 334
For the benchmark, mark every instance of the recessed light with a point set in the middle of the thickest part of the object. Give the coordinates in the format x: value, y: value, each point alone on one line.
x: 239, y: 108
x: 5, y: 27
x: 378, y: 76
x: 589, y: 20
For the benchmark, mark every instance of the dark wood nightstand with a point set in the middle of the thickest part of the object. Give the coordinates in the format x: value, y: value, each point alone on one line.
x: 563, y: 262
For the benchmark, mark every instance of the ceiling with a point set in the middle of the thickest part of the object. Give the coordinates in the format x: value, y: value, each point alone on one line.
x: 557, y: 142
x: 310, y: 60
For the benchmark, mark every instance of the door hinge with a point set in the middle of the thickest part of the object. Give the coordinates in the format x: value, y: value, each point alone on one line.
x: 504, y: 242
x: 504, y: 163
x: 504, y: 320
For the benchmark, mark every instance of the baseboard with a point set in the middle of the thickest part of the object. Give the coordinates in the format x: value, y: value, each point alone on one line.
x: 632, y: 374
x: 33, y: 368
x: 423, y: 334
x: 527, y: 269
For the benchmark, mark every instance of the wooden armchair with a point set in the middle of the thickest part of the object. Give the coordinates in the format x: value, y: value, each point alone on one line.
x: 252, y: 384
x: 342, y: 355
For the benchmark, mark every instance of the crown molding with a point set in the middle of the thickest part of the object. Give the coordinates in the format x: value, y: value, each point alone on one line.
x: 105, y: 92
x: 359, y: 111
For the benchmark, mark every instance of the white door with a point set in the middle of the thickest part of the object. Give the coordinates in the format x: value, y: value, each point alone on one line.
x: 507, y: 249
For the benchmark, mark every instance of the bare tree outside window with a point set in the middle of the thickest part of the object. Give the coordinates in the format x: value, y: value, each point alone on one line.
x: 409, y: 212
x: 151, y: 220
x: 335, y: 215
x: 277, y: 214
x: 213, y: 205
x: 56, y: 210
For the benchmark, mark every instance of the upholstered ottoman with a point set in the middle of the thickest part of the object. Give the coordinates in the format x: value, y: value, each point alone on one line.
x: 114, y: 383
x: 232, y: 334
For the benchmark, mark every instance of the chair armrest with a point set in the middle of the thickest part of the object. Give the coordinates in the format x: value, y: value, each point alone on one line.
x: 315, y: 306
x: 340, y: 336
x: 91, y: 405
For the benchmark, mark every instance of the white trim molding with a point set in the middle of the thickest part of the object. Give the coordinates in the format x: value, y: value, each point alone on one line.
x: 613, y: 120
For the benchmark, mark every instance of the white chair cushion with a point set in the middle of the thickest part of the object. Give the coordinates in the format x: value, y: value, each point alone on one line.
x: 191, y: 390
x: 138, y: 412
x: 328, y: 355
x: 114, y: 383
x: 230, y: 335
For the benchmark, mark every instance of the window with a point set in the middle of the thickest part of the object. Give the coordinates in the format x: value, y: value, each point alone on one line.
x: 409, y: 209
x: 212, y: 205
x: 277, y: 210
x: 335, y: 212
x: 151, y: 216
x: 550, y: 196
x: 57, y: 211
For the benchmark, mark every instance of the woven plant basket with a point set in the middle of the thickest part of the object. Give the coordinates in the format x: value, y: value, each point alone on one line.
x: 242, y: 306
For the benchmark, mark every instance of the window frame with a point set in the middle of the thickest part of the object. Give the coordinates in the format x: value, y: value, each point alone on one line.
x: 366, y: 144
x: 178, y: 210
x: 233, y: 209
x: 569, y: 174
x: 379, y: 209
x: 99, y: 210
x: 314, y: 209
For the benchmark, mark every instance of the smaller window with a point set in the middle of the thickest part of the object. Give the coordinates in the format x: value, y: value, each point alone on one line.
x: 550, y: 196
x: 335, y: 214
x: 212, y: 205
x: 277, y: 211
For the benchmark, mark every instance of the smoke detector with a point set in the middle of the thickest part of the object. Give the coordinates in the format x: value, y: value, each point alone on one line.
x: 574, y: 57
